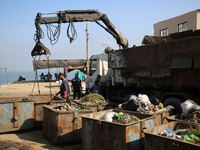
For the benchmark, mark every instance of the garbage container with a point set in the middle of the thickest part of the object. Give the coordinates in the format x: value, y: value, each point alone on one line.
x: 39, y: 101
x: 97, y: 107
x: 177, y: 117
x: 63, y: 126
x: 16, y: 114
x: 161, y: 115
x: 154, y: 141
x: 99, y: 134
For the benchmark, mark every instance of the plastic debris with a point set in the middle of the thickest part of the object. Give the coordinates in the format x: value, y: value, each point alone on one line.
x: 122, y: 118
x: 142, y: 104
x: 190, y: 135
x: 108, y: 116
x: 65, y: 107
x: 170, y: 107
x: 188, y: 107
x: 119, y: 114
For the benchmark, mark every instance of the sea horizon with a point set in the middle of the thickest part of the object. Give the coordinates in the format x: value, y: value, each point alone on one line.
x: 13, y: 75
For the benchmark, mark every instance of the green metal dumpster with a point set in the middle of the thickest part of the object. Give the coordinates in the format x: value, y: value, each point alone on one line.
x: 99, y: 134
x: 154, y: 141
x: 63, y: 126
x: 16, y: 114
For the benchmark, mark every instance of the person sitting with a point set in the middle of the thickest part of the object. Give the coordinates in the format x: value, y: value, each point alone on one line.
x: 20, y: 78
x: 23, y: 77
x: 42, y: 78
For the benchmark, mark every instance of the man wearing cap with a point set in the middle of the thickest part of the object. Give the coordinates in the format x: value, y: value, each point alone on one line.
x: 64, y: 88
x: 76, y: 85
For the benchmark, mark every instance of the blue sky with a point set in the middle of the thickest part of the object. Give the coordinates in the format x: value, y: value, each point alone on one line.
x: 133, y: 18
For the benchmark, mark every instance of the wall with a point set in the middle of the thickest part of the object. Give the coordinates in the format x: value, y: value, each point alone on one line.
x: 172, y: 24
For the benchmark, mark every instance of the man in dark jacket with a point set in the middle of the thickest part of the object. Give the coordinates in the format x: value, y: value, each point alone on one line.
x: 97, y: 85
x: 76, y: 86
x: 64, y: 88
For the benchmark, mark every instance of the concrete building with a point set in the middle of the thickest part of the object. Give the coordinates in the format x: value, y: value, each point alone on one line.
x: 188, y: 21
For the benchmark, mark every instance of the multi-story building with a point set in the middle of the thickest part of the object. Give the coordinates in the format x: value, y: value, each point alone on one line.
x: 188, y: 21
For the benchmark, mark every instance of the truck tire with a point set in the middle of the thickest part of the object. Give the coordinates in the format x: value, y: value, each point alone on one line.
x: 174, y: 101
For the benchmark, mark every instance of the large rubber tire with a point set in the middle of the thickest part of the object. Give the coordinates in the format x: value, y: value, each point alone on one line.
x: 174, y: 101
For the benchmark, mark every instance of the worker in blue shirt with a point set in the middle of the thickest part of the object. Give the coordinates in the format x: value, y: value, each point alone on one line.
x: 64, y: 88
x: 76, y: 86
x: 97, y: 85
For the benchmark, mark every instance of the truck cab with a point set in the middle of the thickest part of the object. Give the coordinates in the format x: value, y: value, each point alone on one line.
x: 98, y: 65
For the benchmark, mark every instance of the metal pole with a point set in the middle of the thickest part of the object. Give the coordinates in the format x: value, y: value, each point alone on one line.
x: 87, y: 40
x: 6, y: 76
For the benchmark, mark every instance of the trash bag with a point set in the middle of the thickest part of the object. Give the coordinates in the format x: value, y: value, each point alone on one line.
x: 108, y: 116
x: 143, y: 98
x: 188, y: 107
x: 130, y: 96
x: 153, y: 100
x: 130, y: 105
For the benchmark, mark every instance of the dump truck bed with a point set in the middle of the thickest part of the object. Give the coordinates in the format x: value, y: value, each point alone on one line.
x: 174, y: 63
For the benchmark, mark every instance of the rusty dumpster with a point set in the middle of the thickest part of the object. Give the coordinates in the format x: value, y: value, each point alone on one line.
x: 99, y: 134
x: 63, y: 126
x: 154, y: 141
x: 176, y: 118
x: 16, y: 114
x: 97, y: 107
x: 39, y: 101
x: 161, y: 115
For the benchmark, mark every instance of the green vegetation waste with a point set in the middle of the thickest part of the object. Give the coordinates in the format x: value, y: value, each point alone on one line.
x: 93, y: 98
x: 192, y: 134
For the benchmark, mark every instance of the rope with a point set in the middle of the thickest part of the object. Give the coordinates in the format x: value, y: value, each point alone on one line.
x: 39, y: 34
x: 53, y: 35
x: 73, y: 35
x: 49, y: 74
x: 34, y: 78
x: 37, y: 78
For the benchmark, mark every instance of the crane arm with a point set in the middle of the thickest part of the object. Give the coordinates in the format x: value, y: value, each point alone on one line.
x: 68, y: 16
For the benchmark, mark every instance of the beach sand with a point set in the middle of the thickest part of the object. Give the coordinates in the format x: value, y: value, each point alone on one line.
x: 31, y: 139
x: 24, y: 89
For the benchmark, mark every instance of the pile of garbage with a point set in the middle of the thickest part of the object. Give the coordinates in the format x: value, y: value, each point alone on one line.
x: 142, y: 103
x: 93, y: 98
x: 190, y: 135
x: 191, y: 111
x: 122, y: 118
x: 66, y: 107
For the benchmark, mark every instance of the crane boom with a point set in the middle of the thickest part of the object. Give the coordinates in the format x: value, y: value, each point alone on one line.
x: 68, y: 16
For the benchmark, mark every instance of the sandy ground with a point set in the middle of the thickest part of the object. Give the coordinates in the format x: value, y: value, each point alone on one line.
x: 31, y: 139
x: 24, y: 89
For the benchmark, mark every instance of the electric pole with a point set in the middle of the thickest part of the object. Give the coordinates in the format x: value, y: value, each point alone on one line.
x: 87, y: 39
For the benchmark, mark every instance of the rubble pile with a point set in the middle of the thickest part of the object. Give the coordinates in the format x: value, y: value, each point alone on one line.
x: 142, y: 103
x: 122, y: 118
x: 126, y: 119
x: 190, y: 135
x: 93, y: 98
x: 65, y: 107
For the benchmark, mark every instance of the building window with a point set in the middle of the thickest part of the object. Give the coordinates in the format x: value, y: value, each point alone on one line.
x: 164, y: 32
x: 182, y: 27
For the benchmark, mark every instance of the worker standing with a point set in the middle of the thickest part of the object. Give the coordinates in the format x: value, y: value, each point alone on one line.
x: 64, y: 88
x: 76, y: 86
x: 97, y: 85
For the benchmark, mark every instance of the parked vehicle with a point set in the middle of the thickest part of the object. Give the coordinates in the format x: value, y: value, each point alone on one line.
x: 165, y: 67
